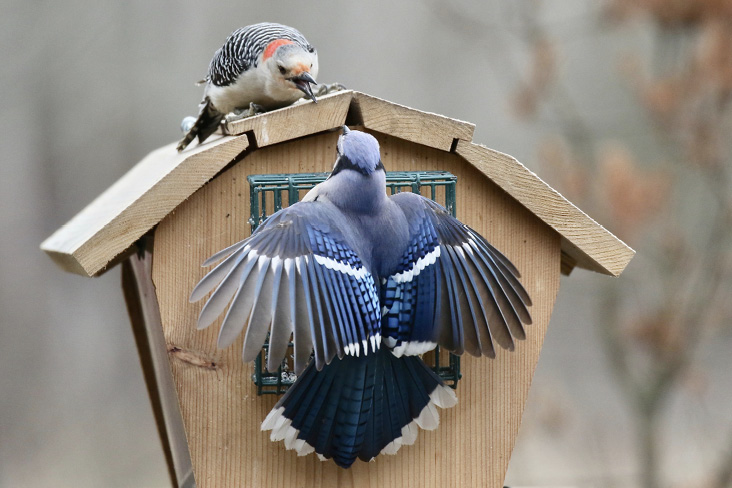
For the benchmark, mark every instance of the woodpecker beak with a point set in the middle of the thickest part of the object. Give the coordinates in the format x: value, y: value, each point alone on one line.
x: 303, y: 83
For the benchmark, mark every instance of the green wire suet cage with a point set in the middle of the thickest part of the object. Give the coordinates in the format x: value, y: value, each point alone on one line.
x: 270, y: 193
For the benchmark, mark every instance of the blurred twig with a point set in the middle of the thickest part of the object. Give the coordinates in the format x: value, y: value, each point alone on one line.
x: 687, y: 97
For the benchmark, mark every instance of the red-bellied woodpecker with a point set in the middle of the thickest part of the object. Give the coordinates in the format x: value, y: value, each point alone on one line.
x: 269, y: 65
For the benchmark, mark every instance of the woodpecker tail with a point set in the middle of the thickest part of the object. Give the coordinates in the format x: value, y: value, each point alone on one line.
x: 359, y: 407
x: 206, y: 124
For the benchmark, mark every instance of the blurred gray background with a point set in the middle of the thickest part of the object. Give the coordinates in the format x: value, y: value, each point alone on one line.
x: 597, y: 97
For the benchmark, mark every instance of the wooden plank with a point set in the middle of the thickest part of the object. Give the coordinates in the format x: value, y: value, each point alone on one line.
x: 137, y: 202
x: 134, y: 299
x: 220, y: 408
x: 583, y: 239
x: 425, y: 128
x: 144, y: 314
x: 91, y: 241
x: 156, y: 185
x: 568, y: 264
x: 302, y: 119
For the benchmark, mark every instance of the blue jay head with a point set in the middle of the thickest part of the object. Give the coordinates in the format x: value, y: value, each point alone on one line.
x: 292, y: 68
x: 357, y: 151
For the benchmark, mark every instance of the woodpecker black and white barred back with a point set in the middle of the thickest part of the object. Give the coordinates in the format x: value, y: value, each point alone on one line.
x: 366, y: 283
x: 269, y: 65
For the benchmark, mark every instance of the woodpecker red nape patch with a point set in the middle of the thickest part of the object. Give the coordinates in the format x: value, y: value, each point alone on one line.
x: 272, y: 47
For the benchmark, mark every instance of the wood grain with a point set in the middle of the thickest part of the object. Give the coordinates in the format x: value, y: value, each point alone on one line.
x: 219, y: 405
x: 303, y: 119
x: 584, y: 240
x: 144, y: 311
x: 107, y: 227
x: 406, y: 123
x: 135, y: 203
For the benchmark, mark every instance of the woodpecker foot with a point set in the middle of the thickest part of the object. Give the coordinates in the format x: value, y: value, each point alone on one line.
x: 329, y: 88
x: 239, y: 114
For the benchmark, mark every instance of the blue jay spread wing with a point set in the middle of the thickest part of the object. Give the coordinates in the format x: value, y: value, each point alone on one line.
x: 453, y: 288
x: 296, y: 275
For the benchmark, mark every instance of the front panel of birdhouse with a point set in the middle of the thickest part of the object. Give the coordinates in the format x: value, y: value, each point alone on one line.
x: 221, y: 410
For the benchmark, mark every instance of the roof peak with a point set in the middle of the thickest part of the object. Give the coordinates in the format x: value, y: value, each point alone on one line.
x: 113, y: 222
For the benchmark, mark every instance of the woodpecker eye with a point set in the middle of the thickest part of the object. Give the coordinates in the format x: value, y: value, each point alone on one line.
x: 282, y: 70
x: 311, y: 49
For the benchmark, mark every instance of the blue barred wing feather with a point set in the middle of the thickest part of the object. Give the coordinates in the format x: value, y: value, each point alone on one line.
x: 452, y: 288
x: 297, y: 277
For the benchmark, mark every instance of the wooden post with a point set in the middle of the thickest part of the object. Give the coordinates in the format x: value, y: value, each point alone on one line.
x: 142, y: 306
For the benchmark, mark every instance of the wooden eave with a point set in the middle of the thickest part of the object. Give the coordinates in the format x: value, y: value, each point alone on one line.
x: 153, y: 188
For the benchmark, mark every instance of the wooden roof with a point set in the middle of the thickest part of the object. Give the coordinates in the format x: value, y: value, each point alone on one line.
x: 114, y: 221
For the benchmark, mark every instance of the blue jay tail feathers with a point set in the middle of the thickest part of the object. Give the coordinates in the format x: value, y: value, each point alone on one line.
x: 359, y: 407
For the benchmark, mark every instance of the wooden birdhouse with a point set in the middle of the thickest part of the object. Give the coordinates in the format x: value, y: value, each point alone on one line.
x: 173, y: 210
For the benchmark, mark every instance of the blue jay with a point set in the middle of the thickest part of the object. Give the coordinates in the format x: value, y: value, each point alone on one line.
x: 365, y: 283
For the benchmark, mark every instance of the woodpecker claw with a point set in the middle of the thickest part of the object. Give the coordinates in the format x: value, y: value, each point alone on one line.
x: 303, y: 83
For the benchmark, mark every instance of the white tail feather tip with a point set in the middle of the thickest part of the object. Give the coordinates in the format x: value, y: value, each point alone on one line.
x: 444, y: 397
x: 428, y: 418
x: 271, y: 419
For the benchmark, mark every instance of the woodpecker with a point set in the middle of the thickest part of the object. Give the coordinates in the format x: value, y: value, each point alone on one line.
x: 266, y: 65
x: 365, y: 283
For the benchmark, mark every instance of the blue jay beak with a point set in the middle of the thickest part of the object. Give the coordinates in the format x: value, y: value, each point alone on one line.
x: 303, y: 81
